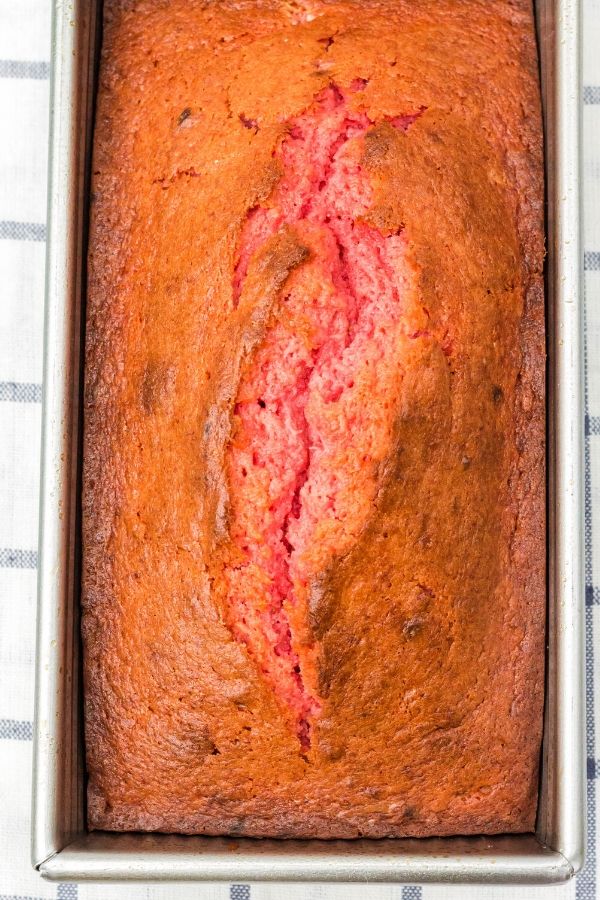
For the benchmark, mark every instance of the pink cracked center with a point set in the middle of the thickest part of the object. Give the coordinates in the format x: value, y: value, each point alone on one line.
x: 315, y: 408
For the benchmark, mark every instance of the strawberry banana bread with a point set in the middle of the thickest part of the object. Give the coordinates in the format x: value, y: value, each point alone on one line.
x: 313, y: 512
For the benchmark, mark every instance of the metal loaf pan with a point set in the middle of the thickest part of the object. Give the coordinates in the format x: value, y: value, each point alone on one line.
x: 62, y: 849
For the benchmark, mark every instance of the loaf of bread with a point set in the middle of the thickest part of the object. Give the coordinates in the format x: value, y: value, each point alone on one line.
x: 313, y: 500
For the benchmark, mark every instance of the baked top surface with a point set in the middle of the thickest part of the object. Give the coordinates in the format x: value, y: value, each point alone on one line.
x: 426, y: 633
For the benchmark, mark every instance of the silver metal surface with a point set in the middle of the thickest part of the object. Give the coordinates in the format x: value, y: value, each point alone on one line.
x: 61, y: 847
x: 58, y: 759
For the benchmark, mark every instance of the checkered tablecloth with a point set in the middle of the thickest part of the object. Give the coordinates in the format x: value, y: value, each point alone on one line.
x: 24, y: 72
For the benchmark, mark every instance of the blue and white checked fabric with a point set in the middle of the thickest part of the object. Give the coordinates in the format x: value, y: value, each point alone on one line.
x: 24, y: 71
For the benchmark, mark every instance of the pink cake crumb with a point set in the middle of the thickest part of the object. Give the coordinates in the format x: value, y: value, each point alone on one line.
x: 315, y: 411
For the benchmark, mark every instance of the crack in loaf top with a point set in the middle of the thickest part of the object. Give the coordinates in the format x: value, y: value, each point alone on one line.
x: 316, y: 404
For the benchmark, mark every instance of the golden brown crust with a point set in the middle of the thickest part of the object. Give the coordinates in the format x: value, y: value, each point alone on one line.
x: 431, y: 629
